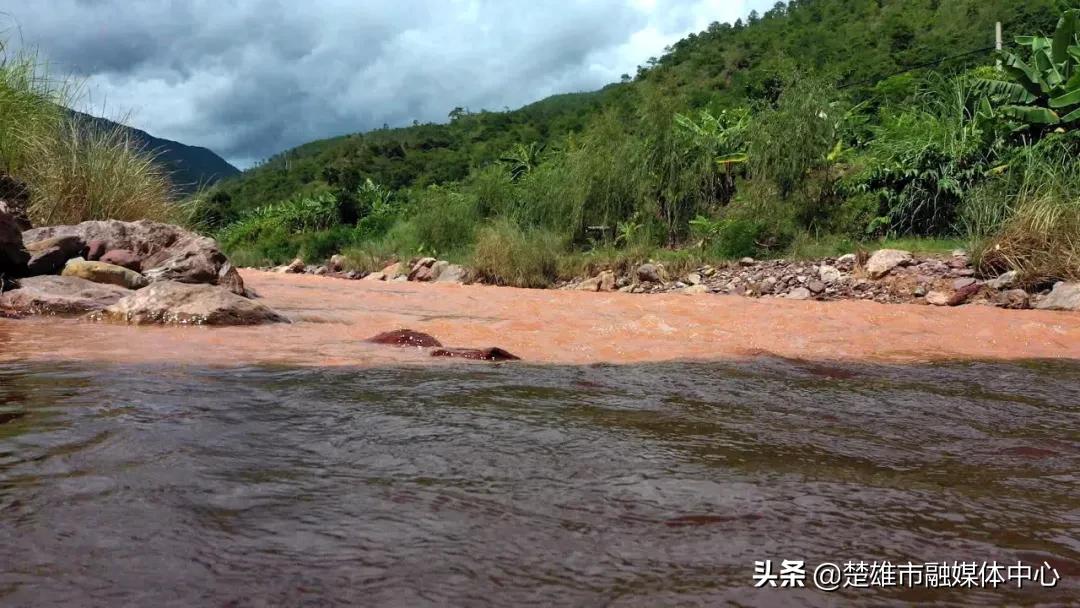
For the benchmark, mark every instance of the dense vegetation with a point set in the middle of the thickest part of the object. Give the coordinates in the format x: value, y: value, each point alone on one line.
x: 817, y: 126
x: 73, y: 171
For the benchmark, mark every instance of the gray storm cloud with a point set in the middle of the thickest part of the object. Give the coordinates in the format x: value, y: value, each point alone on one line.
x: 249, y: 78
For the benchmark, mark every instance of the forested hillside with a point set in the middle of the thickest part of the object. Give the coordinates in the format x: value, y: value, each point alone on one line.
x: 819, y: 121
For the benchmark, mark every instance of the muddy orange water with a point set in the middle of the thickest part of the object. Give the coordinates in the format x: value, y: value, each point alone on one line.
x: 649, y: 451
x: 332, y: 318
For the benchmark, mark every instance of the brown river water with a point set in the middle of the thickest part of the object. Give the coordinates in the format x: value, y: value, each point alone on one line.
x: 647, y: 452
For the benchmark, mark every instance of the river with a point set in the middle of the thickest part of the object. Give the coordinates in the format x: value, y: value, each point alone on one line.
x: 297, y: 466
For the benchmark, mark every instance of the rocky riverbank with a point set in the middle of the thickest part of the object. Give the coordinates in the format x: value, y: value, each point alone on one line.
x: 887, y: 276
x: 133, y: 272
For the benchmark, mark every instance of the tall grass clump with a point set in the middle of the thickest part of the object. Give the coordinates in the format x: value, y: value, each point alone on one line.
x: 507, y: 254
x: 1039, y: 230
x: 86, y: 172
x: 74, y: 171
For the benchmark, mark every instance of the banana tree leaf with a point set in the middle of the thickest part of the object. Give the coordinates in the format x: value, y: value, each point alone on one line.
x: 1023, y: 74
x: 1008, y: 92
x: 1065, y: 35
x: 1032, y: 115
x: 1069, y: 99
x: 1040, y: 43
x: 1071, y: 116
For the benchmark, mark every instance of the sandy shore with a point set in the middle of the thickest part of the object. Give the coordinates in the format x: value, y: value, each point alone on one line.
x: 332, y: 318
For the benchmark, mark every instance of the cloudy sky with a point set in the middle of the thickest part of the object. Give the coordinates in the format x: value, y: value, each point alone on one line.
x: 249, y: 78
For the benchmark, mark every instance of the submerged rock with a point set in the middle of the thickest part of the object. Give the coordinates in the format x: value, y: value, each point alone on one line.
x: 476, y: 354
x: 56, y: 295
x: 100, y: 272
x: 168, y: 253
x: 405, y: 337
x: 884, y: 260
x: 1065, y: 296
x: 174, y: 303
x: 50, y: 255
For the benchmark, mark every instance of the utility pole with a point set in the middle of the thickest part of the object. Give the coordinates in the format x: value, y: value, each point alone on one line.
x: 998, y: 42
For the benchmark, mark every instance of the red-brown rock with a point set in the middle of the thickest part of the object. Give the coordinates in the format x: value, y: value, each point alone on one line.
x: 95, y: 249
x: 123, y: 257
x: 476, y: 354
x: 962, y: 295
x: 406, y: 337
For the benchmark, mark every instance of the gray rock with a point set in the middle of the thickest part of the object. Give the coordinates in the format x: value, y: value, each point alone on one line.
x: 452, y: 273
x: 959, y: 284
x: 693, y: 278
x: 747, y: 261
x: 56, y: 295
x: 799, y: 293
x: 1004, y: 281
x: 437, y: 269
x: 937, y: 298
x: 1016, y: 299
x: 816, y: 287
x: 829, y: 274
x: 1065, y: 296
x: 884, y: 260
x: 173, y: 303
x: 296, y: 266
x: 649, y: 273
x: 847, y: 262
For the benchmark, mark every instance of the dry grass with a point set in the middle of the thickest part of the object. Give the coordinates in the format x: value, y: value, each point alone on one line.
x: 1041, y: 240
x: 74, y: 172
x: 84, y: 173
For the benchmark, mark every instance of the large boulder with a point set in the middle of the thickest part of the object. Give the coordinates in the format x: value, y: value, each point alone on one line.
x: 55, y: 295
x: 100, y: 272
x: 13, y: 255
x: 50, y: 255
x: 1065, y: 296
x: 168, y: 253
x: 884, y: 260
x: 173, y: 303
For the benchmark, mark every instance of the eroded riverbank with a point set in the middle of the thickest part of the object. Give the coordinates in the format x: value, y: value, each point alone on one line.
x: 332, y: 318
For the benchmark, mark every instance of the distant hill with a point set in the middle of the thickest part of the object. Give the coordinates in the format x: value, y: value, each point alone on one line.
x: 190, y: 166
x: 856, y: 43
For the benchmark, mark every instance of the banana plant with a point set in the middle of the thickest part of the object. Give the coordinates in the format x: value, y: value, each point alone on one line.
x: 1044, y: 90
